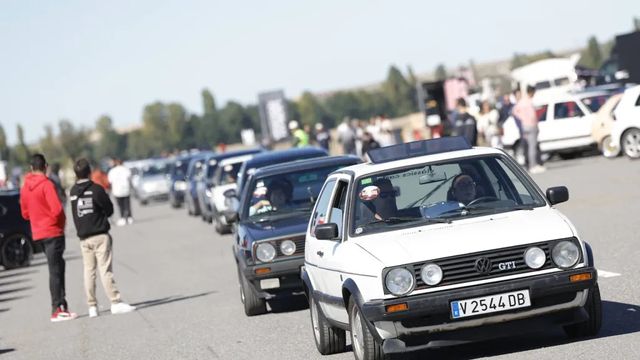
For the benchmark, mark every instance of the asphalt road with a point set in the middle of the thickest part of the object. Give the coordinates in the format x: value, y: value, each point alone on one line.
x: 182, y: 277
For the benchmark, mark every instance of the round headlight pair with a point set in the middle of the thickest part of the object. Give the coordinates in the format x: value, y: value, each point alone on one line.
x: 400, y: 281
x: 565, y: 255
x: 266, y: 252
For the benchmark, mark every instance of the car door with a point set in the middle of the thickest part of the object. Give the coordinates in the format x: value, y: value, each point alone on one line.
x: 329, y: 256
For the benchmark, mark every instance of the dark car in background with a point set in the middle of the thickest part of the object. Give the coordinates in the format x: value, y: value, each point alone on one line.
x: 275, y: 157
x: 204, y: 183
x: 194, y: 173
x: 271, y: 224
x: 16, y: 245
x: 177, y: 180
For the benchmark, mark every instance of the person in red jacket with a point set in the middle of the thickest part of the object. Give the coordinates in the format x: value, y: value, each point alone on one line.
x: 41, y: 206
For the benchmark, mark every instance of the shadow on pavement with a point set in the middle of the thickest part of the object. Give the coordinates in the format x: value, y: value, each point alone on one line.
x: 618, y: 319
x: 13, y: 282
x: 4, y: 351
x: 10, y: 273
x: 4, y: 292
x: 12, y: 298
x: 289, y: 304
x: 168, y: 300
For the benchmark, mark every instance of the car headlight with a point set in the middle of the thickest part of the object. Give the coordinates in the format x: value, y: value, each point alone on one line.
x: 265, y: 252
x: 431, y: 274
x: 565, y: 254
x: 180, y: 185
x: 535, y: 257
x: 288, y: 247
x: 399, y: 281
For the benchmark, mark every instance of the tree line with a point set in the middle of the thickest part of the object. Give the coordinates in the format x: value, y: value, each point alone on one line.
x: 168, y: 127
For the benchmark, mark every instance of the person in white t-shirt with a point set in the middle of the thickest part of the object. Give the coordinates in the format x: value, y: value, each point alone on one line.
x: 120, y: 180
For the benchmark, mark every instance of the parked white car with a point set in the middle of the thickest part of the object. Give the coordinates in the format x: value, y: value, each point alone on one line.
x: 435, y: 240
x: 224, y: 180
x: 564, y: 123
x: 625, y: 133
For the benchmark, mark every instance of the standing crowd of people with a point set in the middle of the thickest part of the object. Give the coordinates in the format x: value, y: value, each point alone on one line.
x: 42, y: 202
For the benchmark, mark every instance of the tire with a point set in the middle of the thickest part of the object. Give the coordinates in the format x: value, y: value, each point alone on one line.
x: 329, y: 340
x: 253, y: 305
x: 592, y: 326
x: 365, y: 346
x: 568, y: 156
x: 144, y: 202
x: 220, y: 227
x: 630, y: 143
x: 189, y: 208
x: 16, y: 251
x: 607, y: 149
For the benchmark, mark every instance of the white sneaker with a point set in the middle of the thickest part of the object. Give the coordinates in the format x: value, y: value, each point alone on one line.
x: 121, y: 222
x: 129, y: 220
x: 121, y: 308
x: 93, y: 311
x: 537, y: 169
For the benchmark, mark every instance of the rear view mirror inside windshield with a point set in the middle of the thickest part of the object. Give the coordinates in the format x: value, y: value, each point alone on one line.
x: 432, y: 176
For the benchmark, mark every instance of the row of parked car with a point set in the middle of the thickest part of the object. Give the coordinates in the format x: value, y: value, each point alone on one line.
x: 570, y: 122
x: 429, y: 241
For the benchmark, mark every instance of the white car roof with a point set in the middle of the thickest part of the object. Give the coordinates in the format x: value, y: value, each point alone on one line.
x: 369, y: 168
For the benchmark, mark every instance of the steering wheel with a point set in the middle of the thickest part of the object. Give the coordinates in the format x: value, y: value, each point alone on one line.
x: 482, y: 199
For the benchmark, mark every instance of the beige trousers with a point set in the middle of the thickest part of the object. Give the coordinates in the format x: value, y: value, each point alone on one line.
x: 96, y: 253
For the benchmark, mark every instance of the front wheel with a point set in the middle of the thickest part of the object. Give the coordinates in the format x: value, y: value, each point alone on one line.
x: 329, y: 340
x: 592, y: 326
x: 365, y: 346
x: 631, y: 143
x: 253, y: 305
x: 16, y: 251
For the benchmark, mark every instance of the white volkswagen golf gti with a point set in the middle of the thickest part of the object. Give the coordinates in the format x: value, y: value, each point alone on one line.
x: 435, y: 241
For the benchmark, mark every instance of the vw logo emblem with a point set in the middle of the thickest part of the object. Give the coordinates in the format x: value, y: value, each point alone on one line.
x: 483, y: 265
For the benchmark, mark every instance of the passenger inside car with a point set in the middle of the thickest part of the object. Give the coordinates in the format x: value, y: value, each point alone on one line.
x: 384, y: 206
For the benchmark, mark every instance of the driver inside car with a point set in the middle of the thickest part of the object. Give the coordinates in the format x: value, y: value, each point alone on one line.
x: 279, y: 194
x: 463, y: 189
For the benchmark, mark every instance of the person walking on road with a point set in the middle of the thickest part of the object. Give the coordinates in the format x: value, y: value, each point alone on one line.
x: 526, y: 112
x: 120, y: 179
x: 40, y: 204
x: 91, y: 208
x: 300, y: 137
x: 323, y: 138
x: 100, y: 177
x: 464, y: 123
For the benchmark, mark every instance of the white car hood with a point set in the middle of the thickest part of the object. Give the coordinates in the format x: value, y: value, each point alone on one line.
x: 466, y: 236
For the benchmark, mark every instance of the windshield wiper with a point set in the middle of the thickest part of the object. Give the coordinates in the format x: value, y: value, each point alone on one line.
x: 400, y: 220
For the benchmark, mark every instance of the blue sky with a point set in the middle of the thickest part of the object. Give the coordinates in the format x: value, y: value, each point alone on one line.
x: 80, y: 59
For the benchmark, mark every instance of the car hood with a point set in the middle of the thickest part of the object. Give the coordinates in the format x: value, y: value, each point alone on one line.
x: 294, y: 225
x: 466, y: 236
x: 153, y: 179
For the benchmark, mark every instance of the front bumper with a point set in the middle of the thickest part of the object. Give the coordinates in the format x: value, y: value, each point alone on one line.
x: 286, y: 271
x: 555, y: 300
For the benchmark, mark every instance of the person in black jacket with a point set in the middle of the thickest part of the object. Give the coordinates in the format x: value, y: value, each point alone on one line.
x: 91, y: 209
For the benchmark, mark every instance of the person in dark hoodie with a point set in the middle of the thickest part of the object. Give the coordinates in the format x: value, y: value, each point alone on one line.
x: 40, y: 204
x: 91, y: 209
x: 465, y: 124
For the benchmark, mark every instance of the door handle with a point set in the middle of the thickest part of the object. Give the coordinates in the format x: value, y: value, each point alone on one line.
x: 320, y: 253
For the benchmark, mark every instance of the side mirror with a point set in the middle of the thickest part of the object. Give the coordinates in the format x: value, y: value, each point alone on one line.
x: 557, y: 194
x: 230, y: 193
x: 231, y: 217
x: 327, y: 231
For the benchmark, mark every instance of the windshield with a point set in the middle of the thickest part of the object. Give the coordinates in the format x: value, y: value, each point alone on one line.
x: 179, y: 169
x: 159, y: 168
x: 285, y: 195
x: 440, y: 192
x: 228, y: 174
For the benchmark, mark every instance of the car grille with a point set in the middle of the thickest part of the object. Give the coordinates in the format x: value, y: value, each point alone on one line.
x: 461, y: 269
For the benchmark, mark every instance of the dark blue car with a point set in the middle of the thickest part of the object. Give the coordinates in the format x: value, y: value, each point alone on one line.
x: 16, y: 246
x: 177, y: 177
x: 271, y: 224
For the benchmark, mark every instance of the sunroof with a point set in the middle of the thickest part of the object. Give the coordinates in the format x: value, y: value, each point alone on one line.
x: 418, y: 148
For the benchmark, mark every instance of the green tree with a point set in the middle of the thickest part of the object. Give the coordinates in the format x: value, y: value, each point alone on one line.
x: 75, y: 141
x: 109, y: 144
x: 176, y: 123
x: 441, y: 72
x: 4, y: 146
x: 591, y: 56
x: 399, y: 93
x: 636, y: 23
x: 208, y: 102
x: 155, y: 128
x: 233, y: 118
x: 20, y: 155
x: 311, y: 110
x: 211, y: 132
x: 51, y: 147
x: 137, y: 148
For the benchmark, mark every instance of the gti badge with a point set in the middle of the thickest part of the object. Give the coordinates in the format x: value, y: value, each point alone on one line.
x: 507, y: 265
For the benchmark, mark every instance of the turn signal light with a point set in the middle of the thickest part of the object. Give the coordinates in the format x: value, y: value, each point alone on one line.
x: 396, y: 308
x: 580, y: 277
x: 260, y: 271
